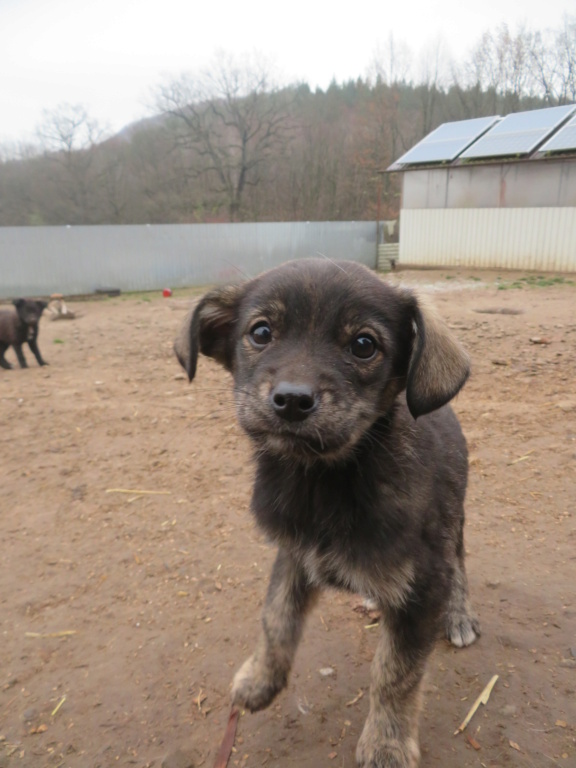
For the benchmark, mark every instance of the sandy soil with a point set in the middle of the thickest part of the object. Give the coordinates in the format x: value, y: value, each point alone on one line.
x: 124, y: 615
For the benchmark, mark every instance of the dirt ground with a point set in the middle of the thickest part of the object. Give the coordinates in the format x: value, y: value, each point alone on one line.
x: 124, y: 615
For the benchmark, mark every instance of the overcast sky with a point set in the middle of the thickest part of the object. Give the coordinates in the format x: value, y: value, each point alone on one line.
x: 108, y: 54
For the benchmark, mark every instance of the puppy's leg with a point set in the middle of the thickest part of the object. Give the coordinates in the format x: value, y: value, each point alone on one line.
x: 36, y: 352
x: 265, y: 673
x: 20, y: 355
x: 390, y: 735
x: 3, y: 362
x: 462, y: 627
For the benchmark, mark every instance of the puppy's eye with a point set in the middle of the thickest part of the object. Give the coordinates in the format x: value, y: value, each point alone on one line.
x: 363, y: 346
x: 261, y: 334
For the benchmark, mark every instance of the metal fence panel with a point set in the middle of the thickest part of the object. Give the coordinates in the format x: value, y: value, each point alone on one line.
x: 490, y: 238
x: 38, y: 261
x: 500, y: 185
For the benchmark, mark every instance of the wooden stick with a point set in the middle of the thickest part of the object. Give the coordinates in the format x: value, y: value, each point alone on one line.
x: 522, y: 458
x: 482, y: 699
x: 55, y: 710
x: 131, y: 490
x: 228, y: 741
x: 65, y: 633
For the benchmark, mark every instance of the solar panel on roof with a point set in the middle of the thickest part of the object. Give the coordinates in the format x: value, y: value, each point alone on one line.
x: 564, y: 140
x: 447, y: 141
x: 519, y: 133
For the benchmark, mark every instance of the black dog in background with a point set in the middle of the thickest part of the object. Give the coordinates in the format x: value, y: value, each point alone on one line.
x: 19, y: 326
x: 342, y: 383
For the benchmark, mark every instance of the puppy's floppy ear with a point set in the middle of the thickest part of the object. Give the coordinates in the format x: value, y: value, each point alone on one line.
x: 19, y: 303
x: 439, y: 366
x: 208, y: 329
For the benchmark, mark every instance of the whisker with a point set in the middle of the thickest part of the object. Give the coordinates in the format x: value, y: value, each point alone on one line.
x: 327, y: 258
x: 237, y: 268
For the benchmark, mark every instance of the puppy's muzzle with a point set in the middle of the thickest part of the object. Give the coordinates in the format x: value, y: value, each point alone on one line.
x: 293, y: 402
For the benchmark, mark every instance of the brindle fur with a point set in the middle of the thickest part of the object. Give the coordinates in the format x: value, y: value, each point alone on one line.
x: 363, y: 492
x: 17, y: 327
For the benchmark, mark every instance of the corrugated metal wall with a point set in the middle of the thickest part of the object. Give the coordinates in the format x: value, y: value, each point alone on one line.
x: 500, y: 238
x: 538, y: 184
x: 38, y: 261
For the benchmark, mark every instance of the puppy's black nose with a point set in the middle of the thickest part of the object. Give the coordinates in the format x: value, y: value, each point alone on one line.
x: 293, y: 402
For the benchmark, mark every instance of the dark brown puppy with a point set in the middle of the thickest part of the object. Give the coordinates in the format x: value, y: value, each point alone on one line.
x: 342, y: 382
x: 18, y: 327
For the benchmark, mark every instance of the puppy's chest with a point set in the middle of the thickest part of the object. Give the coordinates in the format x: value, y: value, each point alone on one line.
x: 388, y: 582
x: 336, y: 531
x: 333, y: 567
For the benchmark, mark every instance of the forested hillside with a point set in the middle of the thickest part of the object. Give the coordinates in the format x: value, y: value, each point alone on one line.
x: 228, y: 144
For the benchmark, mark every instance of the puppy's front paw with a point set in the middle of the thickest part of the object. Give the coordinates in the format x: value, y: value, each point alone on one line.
x: 462, y: 629
x: 255, y: 685
x: 375, y: 752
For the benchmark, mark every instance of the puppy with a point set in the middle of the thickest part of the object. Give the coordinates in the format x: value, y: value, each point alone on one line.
x: 342, y: 383
x: 18, y: 327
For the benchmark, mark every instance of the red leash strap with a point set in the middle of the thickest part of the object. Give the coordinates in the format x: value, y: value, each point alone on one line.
x: 228, y: 741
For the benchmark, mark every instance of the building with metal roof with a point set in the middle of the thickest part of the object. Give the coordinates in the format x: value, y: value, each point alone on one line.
x: 492, y: 192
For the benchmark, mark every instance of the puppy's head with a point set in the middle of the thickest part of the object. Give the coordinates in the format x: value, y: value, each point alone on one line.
x: 29, y: 311
x: 319, y: 351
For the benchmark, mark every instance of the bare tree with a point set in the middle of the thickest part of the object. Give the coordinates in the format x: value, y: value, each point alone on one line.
x: 227, y: 121
x: 499, y: 69
x: 390, y: 72
x: 69, y: 138
x: 392, y: 62
x: 553, y: 62
x: 434, y: 69
x: 544, y: 65
x: 566, y: 47
x: 68, y: 128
